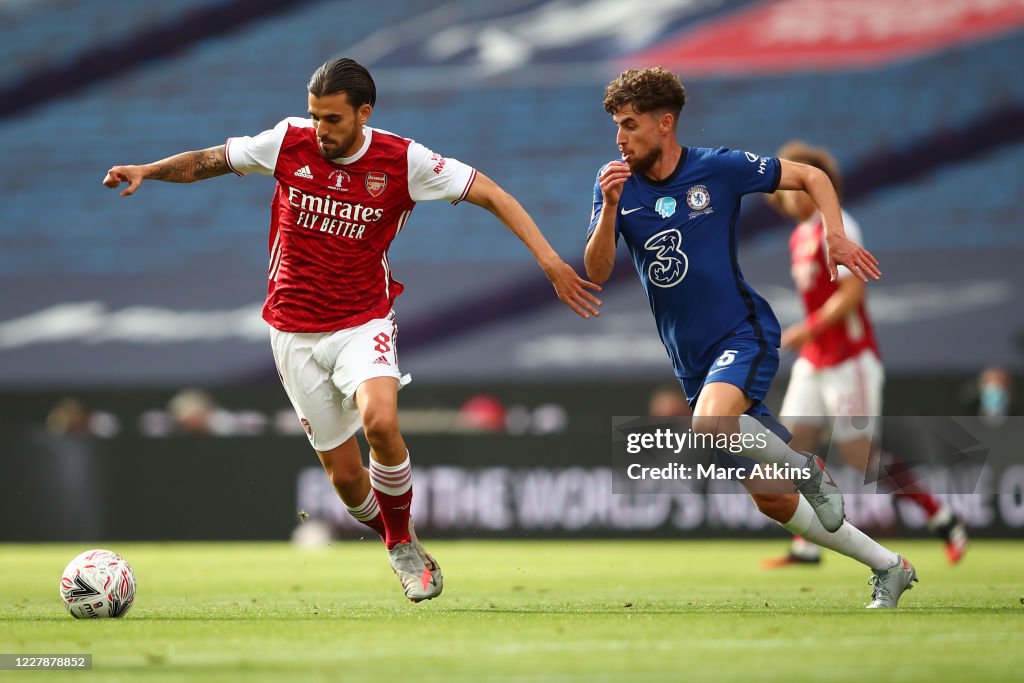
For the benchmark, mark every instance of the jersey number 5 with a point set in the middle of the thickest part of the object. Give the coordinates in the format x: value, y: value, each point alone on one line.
x: 670, y: 264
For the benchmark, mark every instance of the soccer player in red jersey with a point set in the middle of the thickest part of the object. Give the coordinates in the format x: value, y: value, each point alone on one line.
x: 839, y: 372
x: 344, y: 192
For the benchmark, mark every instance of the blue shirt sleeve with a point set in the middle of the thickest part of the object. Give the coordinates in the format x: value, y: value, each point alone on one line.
x: 748, y: 172
x: 595, y: 212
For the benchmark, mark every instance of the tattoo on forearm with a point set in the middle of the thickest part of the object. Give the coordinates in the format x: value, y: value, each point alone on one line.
x: 190, y: 166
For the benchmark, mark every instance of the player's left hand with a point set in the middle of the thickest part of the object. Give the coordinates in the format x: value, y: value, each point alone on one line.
x: 840, y: 251
x: 572, y: 289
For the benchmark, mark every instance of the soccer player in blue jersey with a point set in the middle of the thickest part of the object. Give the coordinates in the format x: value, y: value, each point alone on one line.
x: 676, y: 208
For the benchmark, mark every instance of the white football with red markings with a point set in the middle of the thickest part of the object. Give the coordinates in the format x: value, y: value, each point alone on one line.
x: 97, y: 584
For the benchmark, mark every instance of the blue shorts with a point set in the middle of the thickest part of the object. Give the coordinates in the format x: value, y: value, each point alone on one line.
x: 743, y: 362
x: 750, y: 365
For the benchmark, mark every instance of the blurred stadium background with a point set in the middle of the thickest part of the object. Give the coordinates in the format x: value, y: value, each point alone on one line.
x: 138, y: 395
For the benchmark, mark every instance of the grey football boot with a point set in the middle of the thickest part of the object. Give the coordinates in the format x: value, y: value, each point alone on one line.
x: 428, y: 559
x: 417, y: 579
x: 823, y: 494
x: 889, y: 584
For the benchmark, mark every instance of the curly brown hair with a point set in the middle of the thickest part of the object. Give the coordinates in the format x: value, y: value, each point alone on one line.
x: 803, y: 153
x: 818, y: 157
x: 647, y: 90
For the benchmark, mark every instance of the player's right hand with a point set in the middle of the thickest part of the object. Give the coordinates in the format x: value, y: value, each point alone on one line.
x: 842, y: 251
x: 611, y: 180
x: 124, y: 174
x: 572, y: 289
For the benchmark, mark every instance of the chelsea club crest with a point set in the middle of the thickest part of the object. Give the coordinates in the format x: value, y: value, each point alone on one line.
x: 698, y: 198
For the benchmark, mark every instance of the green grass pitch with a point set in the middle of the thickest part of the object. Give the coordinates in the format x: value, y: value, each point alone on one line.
x: 523, y: 611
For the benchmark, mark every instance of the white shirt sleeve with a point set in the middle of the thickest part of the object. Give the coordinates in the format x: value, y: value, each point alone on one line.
x: 257, y: 154
x: 432, y: 176
x: 854, y: 235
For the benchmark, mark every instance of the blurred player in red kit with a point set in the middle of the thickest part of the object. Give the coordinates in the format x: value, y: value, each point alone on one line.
x: 344, y: 192
x: 839, y: 372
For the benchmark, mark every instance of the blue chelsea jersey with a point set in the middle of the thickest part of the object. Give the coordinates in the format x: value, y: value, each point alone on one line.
x: 681, y: 234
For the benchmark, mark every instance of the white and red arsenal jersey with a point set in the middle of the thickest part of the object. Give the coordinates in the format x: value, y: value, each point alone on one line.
x: 851, y: 336
x: 332, y: 220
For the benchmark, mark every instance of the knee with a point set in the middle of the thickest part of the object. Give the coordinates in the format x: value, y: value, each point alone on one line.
x: 380, y: 427
x: 346, y: 474
x: 714, y: 425
x: 344, y: 464
x: 705, y: 425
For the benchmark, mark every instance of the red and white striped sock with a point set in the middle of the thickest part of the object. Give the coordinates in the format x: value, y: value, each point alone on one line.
x: 368, y: 512
x: 392, y: 486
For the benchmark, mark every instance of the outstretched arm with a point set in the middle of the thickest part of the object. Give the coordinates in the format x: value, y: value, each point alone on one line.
x: 571, y: 288
x: 186, y: 167
x: 838, y: 249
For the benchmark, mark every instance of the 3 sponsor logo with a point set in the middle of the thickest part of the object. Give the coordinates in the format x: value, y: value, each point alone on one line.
x: 669, y: 264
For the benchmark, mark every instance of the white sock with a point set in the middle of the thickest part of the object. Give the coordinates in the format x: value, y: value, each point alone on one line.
x: 775, y: 451
x: 366, y: 510
x: 394, y: 480
x: 848, y: 539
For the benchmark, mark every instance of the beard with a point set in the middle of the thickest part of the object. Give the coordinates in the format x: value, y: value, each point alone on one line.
x: 644, y: 164
x: 333, y: 151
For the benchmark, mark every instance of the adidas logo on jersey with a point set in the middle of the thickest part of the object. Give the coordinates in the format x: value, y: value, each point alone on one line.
x: 381, y: 360
x: 304, y: 172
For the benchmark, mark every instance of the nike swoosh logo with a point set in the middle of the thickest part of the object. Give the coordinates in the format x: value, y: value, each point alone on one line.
x: 716, y: 370
x: 626, y: 213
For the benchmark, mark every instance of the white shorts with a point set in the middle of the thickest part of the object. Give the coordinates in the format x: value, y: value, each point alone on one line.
x: 851, y: 389
x: 321, y: 371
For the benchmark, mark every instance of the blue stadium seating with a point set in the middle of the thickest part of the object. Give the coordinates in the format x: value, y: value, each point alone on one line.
x: 544, y: 144
x: 47, y: 33
x: 972, y: 204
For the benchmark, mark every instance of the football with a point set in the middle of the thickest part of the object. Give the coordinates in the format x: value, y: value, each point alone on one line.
x: 98, y: 583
